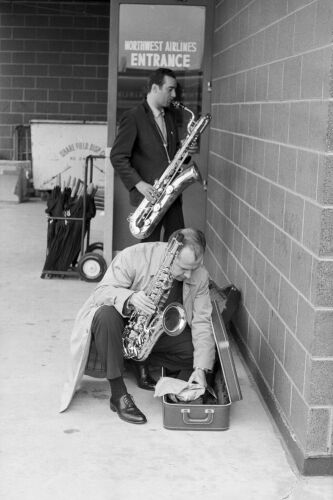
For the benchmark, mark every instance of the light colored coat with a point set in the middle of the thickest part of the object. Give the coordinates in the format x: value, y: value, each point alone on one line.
x: 131, y: 270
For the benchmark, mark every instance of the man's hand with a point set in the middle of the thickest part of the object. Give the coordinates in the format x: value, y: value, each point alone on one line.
x: 141, y: 302
x: 147, y: 190
x: 198, y: 377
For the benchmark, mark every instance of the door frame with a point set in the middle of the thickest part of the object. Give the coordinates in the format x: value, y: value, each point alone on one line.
x: 112, y: 96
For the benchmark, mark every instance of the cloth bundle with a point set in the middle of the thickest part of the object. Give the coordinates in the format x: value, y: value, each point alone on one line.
x: 178, y: 389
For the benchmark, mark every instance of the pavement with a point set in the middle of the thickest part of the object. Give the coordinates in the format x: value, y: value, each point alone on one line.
x: 88, y: 453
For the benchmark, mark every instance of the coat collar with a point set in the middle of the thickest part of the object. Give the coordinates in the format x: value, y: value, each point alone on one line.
x: 156, y: 263
x: 152, y: 120
x: 158, y: 258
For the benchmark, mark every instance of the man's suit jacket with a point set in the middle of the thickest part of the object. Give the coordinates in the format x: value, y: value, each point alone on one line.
x: 133, y: 269
x: 138, y: 152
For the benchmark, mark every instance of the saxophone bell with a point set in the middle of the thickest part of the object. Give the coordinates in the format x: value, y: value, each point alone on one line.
x: 174, y: 319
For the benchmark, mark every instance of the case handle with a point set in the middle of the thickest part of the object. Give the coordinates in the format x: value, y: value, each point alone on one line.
x: 188, y: 420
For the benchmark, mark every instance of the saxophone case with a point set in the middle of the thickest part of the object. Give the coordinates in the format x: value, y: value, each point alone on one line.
x: 212, y: 416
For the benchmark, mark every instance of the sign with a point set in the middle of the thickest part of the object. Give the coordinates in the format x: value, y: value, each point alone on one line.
x: 60, y: 148
x: 171, y: 54
x: 169, y: 45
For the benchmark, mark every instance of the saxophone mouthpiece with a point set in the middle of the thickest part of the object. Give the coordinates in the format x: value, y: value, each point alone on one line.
x: 178, y: 104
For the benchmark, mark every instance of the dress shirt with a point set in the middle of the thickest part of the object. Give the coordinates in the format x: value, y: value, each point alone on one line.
x: 159, y: 119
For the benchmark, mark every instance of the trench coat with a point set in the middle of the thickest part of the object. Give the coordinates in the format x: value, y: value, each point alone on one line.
x: 132, y: 270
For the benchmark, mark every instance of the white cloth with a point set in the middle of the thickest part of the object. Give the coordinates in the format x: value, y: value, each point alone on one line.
x: 184, y: 391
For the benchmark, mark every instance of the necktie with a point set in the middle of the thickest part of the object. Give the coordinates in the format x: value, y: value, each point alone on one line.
x: 161, y: 123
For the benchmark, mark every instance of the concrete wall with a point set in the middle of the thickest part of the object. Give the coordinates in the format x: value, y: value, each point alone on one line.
x: 53, y: 64
x: 270, y: 205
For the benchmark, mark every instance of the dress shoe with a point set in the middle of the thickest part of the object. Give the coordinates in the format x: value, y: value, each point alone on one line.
x: 127, y: 410
x: 143, y: 377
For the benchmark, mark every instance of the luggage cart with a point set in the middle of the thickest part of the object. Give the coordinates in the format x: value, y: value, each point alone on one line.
x: 89, y: 263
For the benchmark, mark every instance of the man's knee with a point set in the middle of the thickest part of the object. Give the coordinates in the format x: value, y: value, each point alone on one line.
x: 106, y: 316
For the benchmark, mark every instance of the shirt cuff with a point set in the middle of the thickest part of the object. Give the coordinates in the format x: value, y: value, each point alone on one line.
x: 128, y: 307
x: 206, y: 370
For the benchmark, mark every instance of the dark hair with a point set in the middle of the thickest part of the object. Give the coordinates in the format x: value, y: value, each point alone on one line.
x: 157, y: 77
x: 193, y: 238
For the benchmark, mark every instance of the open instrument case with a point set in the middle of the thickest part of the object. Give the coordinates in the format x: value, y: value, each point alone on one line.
x: 215, y: 416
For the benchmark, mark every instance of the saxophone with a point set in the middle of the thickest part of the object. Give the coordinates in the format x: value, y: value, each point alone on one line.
x: 143, y: 330
x: 172, y: 182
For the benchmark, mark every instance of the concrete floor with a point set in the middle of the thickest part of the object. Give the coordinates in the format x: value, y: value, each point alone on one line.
x: 87, y: 453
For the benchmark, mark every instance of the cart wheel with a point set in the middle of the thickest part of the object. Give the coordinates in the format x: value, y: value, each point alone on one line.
x: 95, y: 246
x: 92, y: 267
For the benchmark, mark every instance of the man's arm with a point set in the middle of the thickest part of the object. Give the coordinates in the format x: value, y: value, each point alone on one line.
x: 121, y: 151
x: 121, y: 155
x: 116, y: 285
x: 202, y: 330
x: 202, y: 335
x: 118, y: 288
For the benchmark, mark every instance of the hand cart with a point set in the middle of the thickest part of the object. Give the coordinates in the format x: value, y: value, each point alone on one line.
x: 69, y: 251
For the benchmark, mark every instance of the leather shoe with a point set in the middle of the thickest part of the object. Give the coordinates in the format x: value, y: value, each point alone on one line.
x: 143, y: 377
x: 127, y: 410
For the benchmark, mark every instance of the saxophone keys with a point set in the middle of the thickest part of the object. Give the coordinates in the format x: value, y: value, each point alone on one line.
x: 135, y: 230
x: 141, y: 341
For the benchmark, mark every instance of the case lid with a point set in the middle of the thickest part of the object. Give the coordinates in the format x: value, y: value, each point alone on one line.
x: 225, y: 354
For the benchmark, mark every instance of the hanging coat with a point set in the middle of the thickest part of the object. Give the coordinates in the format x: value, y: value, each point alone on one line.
x: 132, y: 270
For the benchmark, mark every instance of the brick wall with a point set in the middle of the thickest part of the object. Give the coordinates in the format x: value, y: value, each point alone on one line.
x: 270, y: 196
x: 53, y: 63
x: 270, y: 201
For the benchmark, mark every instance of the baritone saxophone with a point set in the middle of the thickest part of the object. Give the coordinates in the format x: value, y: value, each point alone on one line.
x: 172, y: 182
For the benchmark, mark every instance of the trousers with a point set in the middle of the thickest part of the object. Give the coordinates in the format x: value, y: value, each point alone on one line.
x: 174, y: 353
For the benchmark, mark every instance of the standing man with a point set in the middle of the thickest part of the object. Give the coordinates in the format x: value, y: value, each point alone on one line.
x: 146, y: 143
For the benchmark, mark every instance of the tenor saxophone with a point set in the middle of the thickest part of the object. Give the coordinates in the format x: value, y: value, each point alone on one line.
x: 143, y: 330
x: 172, y: 182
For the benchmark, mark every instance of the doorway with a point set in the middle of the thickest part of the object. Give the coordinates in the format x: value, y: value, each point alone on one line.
x: 144, y: 36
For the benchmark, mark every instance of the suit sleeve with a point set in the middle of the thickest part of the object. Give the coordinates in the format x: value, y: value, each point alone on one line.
x: 121, y: 151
